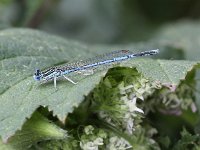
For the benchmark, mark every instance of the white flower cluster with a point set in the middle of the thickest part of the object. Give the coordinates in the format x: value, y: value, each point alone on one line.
x: 91, y: 145
x: 127, y: 104
x: 91, y: 140
x: 116, y: 143
x: 120, y: 113
x: 181, y: 98
x: 129, y: 100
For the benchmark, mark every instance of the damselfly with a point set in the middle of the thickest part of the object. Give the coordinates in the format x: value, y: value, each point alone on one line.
x: 88, y: 66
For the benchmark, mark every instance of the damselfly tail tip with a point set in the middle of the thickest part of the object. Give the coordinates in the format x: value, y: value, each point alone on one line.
x: 155, y: 51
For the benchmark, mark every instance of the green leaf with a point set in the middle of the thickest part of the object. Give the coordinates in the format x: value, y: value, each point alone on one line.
x: 3, y: 146
x: 23, y: 50
x: 36, y: 129
x: 166, y: 72
x: 187, y: 141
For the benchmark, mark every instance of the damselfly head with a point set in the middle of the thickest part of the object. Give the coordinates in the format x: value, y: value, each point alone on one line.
x: 37, y: 75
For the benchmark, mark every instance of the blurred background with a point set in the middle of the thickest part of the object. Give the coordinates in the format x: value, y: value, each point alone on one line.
x: 100, y: 21
x: 171, y: 25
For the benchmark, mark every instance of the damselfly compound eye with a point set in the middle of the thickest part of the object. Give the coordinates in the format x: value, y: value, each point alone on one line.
x: 37, y: 75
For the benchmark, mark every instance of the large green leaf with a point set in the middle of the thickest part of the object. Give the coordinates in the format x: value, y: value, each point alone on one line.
x: 166, y: 72
x: 22, y: 50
